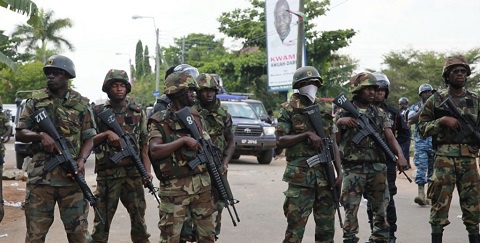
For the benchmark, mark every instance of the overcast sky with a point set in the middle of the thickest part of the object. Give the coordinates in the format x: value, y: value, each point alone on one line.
x: 104, y: 28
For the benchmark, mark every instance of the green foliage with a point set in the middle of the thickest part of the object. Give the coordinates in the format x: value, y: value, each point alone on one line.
x: 408, y: 69
x: 139, y: 60
x: 147, y: 69
x: 29, y: 77
x: 37, y: 36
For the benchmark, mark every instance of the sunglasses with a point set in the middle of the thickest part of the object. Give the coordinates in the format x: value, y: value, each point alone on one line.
x: 54, y: 72
x: 459, y: 70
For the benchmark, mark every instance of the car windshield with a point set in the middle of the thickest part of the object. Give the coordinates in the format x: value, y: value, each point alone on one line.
x: 259, y: 109
x: 240, y: 110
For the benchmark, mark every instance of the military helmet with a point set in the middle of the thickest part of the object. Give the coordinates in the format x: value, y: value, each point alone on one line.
x: 179, y: 81
x: 185, y: 68
x: 116, y: 75
x: 456, y: 60
x: 383, y: 82
x: 424, y: 87
x: 61, y: 62
x: 306, y: 73
x: 403, y: 100
x: 362, y: 80
x: 207, y: 81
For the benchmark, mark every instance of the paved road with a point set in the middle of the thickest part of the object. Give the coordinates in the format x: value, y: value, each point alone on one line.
x: 259, y: 189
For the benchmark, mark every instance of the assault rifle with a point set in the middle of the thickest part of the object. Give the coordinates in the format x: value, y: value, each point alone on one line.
x: 128, y: 149
x: 466, y: 123
x: 210, y: 156
x: 325, y: 156
x: 366, y: 128
x: 65, y: 158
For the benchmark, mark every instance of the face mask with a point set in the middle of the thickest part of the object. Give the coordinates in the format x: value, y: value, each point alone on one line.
x: 310, y: 91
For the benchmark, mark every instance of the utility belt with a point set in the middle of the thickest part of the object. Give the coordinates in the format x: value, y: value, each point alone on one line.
x: 106, y: 165
x: 171, y: 171
x: 357, y: 162
x: 468, y: 150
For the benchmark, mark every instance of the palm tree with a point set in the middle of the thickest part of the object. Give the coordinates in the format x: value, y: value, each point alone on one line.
x: 25, y: 7
x: 43, y: 32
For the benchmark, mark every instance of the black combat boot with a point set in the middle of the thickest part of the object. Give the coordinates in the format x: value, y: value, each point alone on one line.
x: 437, y: 237
x: 474, y: 238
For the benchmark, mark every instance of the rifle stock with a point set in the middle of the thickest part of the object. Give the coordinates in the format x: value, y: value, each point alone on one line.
x: 65, y: 158
x: 366, y: 128
x: 325, y: 156
x: 108, y: 118
x: 210, y: 156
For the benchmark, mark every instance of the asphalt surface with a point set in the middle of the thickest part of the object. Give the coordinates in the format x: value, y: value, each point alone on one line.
x: 259, y: 188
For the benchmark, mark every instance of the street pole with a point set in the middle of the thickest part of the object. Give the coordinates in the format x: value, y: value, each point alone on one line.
x: 300, y: 35
x: 157, y: 66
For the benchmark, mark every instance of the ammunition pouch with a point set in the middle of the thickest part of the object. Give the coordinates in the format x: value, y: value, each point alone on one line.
x: 166, y: 170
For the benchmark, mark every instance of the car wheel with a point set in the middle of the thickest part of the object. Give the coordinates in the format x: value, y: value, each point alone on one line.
x: 20, y: 157
x: 265, y: 157
x: 236, y: 156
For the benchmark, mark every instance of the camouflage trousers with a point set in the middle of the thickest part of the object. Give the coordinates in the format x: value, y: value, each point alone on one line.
x: 299, y: 204
x: 448, y: 172
x: 189, y: 230
x: 131, y: 193
x: 423, y: 160
x: 369, y: 180
x: 40, y: 203
x: 173, y: 213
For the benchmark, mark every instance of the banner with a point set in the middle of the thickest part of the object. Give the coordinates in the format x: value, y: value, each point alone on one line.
x: 282, y: 29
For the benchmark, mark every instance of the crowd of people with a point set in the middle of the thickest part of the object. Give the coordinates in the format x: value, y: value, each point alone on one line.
x: 367, y: 143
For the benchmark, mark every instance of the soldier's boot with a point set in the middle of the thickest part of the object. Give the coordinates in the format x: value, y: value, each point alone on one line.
x: 420, y: 199
x: 474, y: 238
x: 437, y: 237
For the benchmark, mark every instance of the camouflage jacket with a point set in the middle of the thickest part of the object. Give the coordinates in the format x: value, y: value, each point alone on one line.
x: 4, y: 123
x: 218, y: 123
x: 442, y: 136
x: 72, y: 118
x: 134, y: 124
x: 366, y: 150
x: 176, y: 178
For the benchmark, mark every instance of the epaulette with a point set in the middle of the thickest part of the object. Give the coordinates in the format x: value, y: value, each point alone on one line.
x: 135, y: 107
x: 40, y: 94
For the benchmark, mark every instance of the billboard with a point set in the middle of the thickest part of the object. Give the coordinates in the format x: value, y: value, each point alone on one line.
x: 282, y: 29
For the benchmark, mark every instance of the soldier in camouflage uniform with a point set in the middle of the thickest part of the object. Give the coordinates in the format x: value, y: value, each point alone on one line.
x: 120, y: 181
x: 364, y: 164
x: 171, y: 148
x: 455, y: 161
x: 219, y: 124
x: 308, y: 188
x: 71, y: 116
x: 5, y: 131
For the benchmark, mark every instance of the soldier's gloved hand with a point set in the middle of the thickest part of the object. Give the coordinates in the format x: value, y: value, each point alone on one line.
x: 347, y: 121
x: 48, y: 143
x: 450, y: 122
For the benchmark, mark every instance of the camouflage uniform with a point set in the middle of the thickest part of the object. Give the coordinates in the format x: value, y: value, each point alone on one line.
x: 72, y: 118
x: 121, y: 181
x: 4, y: 123
x: 181, y: 189
x: 455, y: 164
x: 307, y: 187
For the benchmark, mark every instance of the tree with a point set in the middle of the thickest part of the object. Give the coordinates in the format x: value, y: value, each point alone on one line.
x: 29, y: 77
x: 25, y: 7
x: 37, y: 36
x: 139, y: 60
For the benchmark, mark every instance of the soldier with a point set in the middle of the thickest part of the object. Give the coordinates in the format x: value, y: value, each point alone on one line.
x: 364, y: 165
x: 5, y: 131
x: 308, y: 188
x: 403, y: 107
x: 71, y: 116
x: 402, y: 134
x: 455, y: 158
x: 219, y: 124
x: 423, y: 156
x: 121, y: 181
x: 171, y: 148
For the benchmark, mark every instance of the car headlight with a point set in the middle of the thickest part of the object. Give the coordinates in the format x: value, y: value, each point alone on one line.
x: 269, y: 130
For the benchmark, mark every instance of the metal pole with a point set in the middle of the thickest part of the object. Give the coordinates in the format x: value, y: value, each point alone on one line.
x: 157, y: 66
x: 300, y: 35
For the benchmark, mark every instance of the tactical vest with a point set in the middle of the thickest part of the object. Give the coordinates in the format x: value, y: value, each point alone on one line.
x: 300, y: 123
x: 216, y: 120
x: 366, y: 150
x: 467, y: 105
x: 66, y: 115
x: 171, y: 128
x: 130, y: 122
